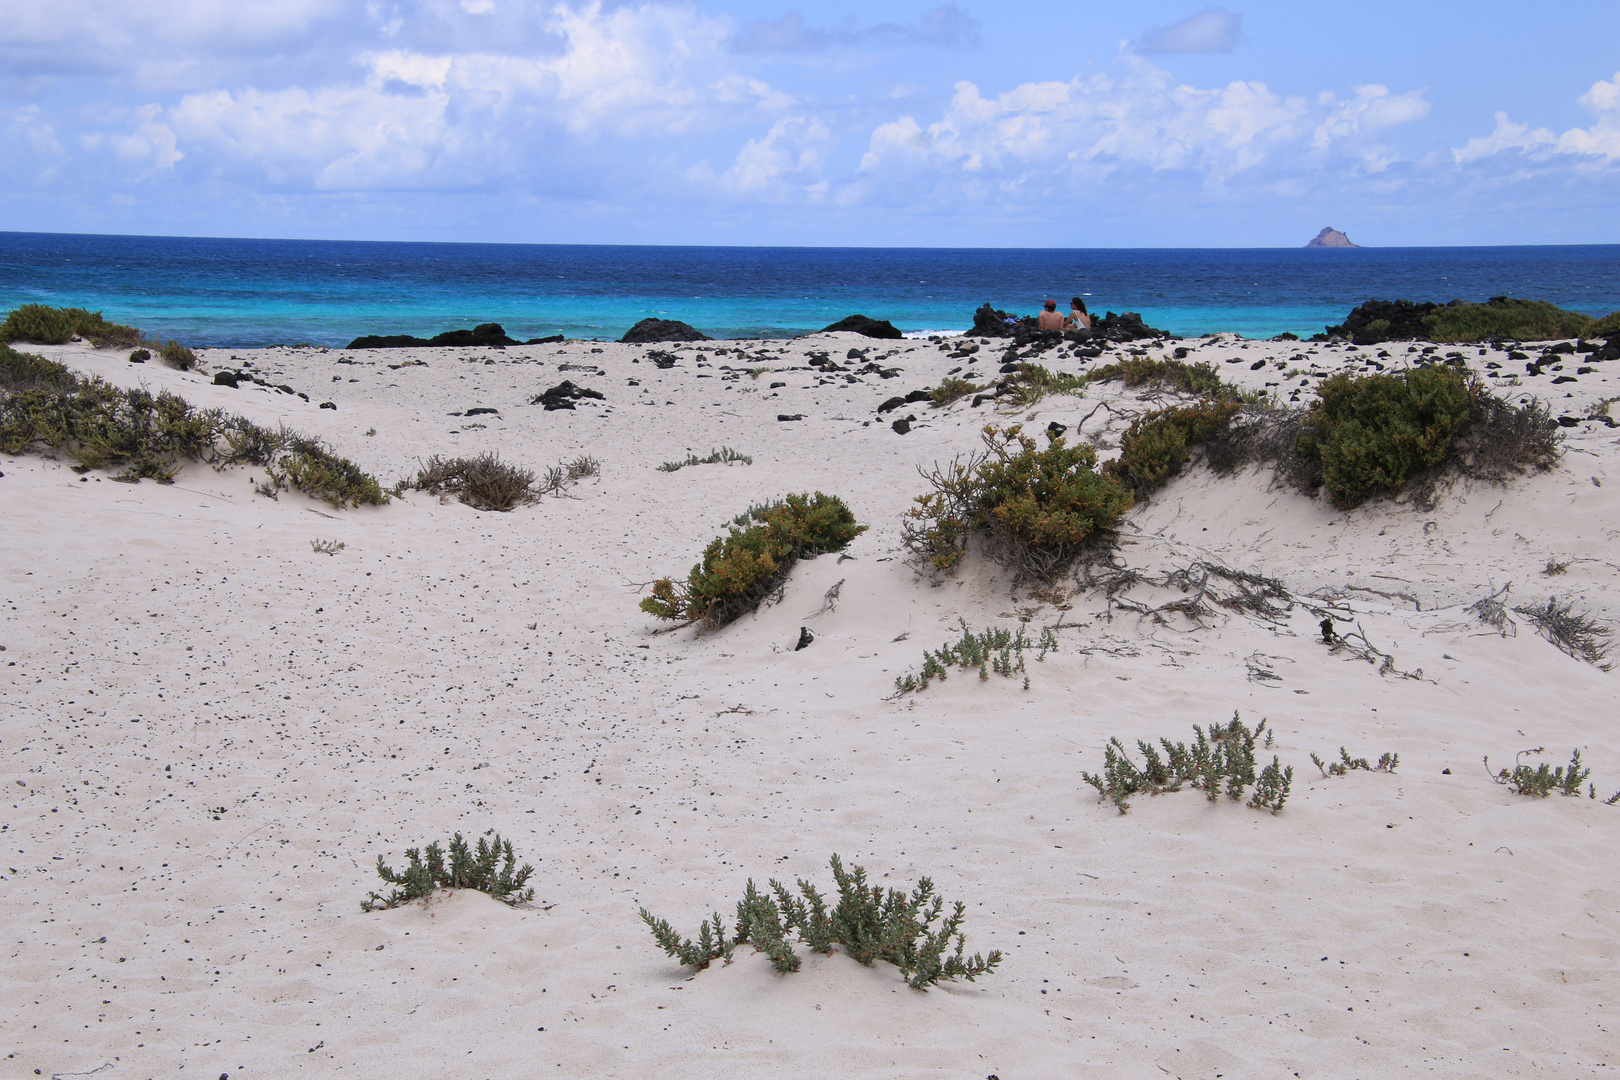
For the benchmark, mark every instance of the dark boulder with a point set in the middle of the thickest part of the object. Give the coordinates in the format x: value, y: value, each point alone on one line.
x: 1126, y: 326
x: 901, y: 426
x: 860, y: 324
x: 1385, y: 320
x: 891, y: 405
x: 786, y: 417
x: 805, y: 638
x: 919, y: 395
x: 991, y: 322
x: 229, y: 378
x: 650, y: 330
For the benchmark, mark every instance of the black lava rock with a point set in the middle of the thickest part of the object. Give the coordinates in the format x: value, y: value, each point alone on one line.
x: 649, y: 330
x: 860, y: 324
x: 483, y: 411
x: 1057, y: 430
x: 561, y: 396
x: 139, y: 356
x: 1126, y: 326
x: 991, y: 322
x: 785, y: 417
x: 918, y: 395
x: 1568, y: 421
x: 901, y: 426
x: 329, y: 405
x: 805, y: 638
x: 1385, y: 320
x: 226, y: 378
x: 892, y: 404
x: 484, y: 334
x: 1009, y: 368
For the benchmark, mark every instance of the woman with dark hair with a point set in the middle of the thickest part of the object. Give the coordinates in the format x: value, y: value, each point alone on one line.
x: 1078, y: 318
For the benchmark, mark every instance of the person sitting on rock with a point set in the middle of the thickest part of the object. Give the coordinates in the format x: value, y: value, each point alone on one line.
x: 1078, y: 318
x: 1050, y: 319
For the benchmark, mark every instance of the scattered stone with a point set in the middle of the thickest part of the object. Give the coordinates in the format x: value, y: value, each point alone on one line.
x: 890, y: 405
x: 650, y: 330
x: 901, y: 426
x: 805, y: 638
x: 661, y: 359
x: 329, y: 405
x: 224, y: 378
x: 1565, y: 379
x: 483, y: 411
x: 855, y: 354
x: 139, y: 356
x: 785, y: 417
x: 860, y: 324
x: 561, y: 396
x: 777, y: 385
x: 918, y: 395
x: 1057, y: 430
x: 1568, y: 421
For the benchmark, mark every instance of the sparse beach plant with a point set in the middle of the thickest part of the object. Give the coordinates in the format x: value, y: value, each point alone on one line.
x: 1578, y: 634
x: 483, y: 483
x: 952, y: 390
x: 723, y: 456
x: 327, y: 547
x: 909, y: 930
x: 1543, y: 780
x: 739, y: 570
x: 1032, y: 382
x: 994, y: 649
x: 1219, y: 760
x: 1035, y: 508
x: 1199, y: 379
x: 490, y: 868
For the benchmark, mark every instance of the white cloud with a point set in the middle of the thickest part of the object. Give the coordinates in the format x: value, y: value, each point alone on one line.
x: 786, y: 163
x: 1211, y: 30
x: 1096, y: 124
x: 946, y: 25
x: 1596, y: 146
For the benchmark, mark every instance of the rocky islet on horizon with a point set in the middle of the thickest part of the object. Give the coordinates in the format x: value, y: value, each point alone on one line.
x: 1330, y: 237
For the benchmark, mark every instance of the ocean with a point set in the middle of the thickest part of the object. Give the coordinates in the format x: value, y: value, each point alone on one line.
x: 245, y: 293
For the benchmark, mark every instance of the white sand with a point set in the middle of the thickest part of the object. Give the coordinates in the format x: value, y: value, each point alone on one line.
x: 210, y: 732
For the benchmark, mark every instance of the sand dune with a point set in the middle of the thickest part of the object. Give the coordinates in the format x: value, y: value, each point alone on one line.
x: 210, y: 732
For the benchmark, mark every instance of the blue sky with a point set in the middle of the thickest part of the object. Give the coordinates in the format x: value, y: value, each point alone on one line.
x: 840, y: 123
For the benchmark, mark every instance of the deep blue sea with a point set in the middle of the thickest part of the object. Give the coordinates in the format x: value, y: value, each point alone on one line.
x: 241, y: 293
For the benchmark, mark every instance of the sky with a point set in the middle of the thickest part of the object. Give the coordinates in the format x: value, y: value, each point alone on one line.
x: 958, y: 124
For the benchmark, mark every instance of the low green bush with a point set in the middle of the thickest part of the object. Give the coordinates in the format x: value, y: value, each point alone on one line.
x: 1156, y: 446
x: 40, y: 324
x: 1221, y: 760
x: 1370, y: 432
x: 870, y: 923
x: 491, y: 869
x: 1504, y: 318
x: 1608, y: 326
x: 177, y: 355
x: 1031, y: 383
x: 44, y: 406
x: 742, y: 568
x: 1034, y: 507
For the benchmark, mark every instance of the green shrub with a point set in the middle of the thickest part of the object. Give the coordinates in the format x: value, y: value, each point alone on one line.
x: 1608, y: 326
x: 1036, y: 508
x: 44, y: 325
x: 1369, y: 432
x: 1221, y: 760
x: 43, y: 405
x: 870, y: 923
x: 742, y: 568
x: 1155, y: 446
x: 1501, y: 317
x: 491, y: 869
x: 995, y: 649
x: 177, y: 355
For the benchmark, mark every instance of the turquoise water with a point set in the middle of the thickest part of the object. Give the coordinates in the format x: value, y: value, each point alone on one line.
x: 257, y: 292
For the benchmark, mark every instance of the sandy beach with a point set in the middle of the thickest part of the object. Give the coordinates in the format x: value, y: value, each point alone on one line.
x: 210, y: 731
